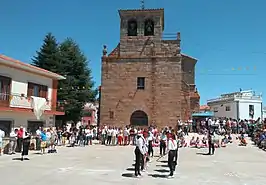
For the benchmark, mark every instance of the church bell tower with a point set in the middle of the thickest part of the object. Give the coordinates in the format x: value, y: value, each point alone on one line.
x: 137, y: 26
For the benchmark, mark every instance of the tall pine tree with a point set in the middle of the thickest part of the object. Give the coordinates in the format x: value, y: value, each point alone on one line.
x: 68, y: 60
x: 48, y: 55
x: 78, y: 88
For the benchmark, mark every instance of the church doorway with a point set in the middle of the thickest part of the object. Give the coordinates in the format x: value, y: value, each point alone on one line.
x: 139, y: 118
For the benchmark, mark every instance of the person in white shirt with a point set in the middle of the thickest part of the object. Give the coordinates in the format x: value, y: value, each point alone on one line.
x: 186, y: 129
x: 48, y: 139
x: 163, y: 139
x: 139, y: 153
x: 144, y: 158
x: 94, y: 133
x: 209, y: 122
x: 88, y: 134
x: 126, y: 136
x: 114, y: 134
x: 104, y: 135
x: 109, y: 135
x: 13, y: 142
x: 150, y: 142
x: 2, y: 135
x: 38, y: 138
x: 172, y: 148
x: 211, y: 141
x: 25, y: 144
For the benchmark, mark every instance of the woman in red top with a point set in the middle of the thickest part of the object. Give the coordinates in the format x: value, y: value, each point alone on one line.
x: 145, y: 133
x: 20, y: 139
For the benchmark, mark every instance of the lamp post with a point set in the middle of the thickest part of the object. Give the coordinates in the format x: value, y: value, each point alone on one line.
x: 99, y: 112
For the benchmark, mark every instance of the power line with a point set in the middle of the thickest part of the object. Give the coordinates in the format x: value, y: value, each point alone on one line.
x: 221, y: 74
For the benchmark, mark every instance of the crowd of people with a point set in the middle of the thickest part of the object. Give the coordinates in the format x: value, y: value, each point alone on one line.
x: 259, y: 137
x: 207, y: 133
x: 223, y: 127
x: 45, y: 140
x: 213, y: 133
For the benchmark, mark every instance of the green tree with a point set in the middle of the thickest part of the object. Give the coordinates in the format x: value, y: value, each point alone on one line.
x: 77, y: 89
x: 67, y: 59
x: 48, y: 55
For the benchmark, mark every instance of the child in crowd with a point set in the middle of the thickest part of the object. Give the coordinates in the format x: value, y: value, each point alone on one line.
x: 192, y: 142
x: 197, y: 143
x: 204, y: 142
x: 243, y: 141
x: 183, y: 142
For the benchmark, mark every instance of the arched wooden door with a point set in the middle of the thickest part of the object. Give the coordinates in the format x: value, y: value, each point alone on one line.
x: 139, y: 118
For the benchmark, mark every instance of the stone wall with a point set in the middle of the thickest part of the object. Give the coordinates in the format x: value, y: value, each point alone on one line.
x: 160, y: 99
x: 165, y: 98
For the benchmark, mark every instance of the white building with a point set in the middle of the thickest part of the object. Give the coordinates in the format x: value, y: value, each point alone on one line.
x: 237, y: 105
x: 264, y: 112
x: 28, y: 95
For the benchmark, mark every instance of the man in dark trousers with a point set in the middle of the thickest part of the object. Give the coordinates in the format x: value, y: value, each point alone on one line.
x: 211, y: 140
x: 171, y: 148
x: 176, y: 151
x: 163, y: 139
x: 139, y: 153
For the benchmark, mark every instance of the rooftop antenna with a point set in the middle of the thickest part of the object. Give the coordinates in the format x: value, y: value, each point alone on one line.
x: 142, y: 4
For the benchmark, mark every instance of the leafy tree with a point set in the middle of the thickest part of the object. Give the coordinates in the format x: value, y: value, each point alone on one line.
x: 67, y: 59
x: 48, y: 55
x: 78, y: 87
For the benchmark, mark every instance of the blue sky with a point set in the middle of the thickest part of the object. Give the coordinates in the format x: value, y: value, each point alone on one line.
x: 221, y: 34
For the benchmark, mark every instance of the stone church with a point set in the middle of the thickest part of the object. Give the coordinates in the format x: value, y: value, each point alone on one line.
x: 146, y: 80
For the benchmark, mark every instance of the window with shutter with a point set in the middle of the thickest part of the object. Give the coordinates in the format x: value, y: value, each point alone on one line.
x: 30, y: 90
x: 44, y: 92
x: 37, y: 90
x: 5, y: 83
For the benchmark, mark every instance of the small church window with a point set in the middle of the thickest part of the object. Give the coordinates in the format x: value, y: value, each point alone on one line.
x: 149, y: 28
x: 111, y: 114
x: 141, y: 83
x: 132, y: 28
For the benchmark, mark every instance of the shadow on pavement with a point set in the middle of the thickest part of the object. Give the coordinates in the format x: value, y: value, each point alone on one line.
x: 201, y: 153
x: 20, y: 159
x: 37, y: 153
x: 158, y: 176
x: 163, y: 161
x: 162, y: 170
x: 133, y: 164
x: 130, y: 175
x: 163, y: 165
x: 130, y: 169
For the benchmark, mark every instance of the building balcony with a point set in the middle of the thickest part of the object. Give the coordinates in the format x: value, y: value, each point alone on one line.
x: 23, y: 102
x: 258, y: 97
x: 235, y: 98
x: 220, y: 99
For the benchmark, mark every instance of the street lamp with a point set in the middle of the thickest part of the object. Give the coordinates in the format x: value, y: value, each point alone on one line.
x: 99, y: 112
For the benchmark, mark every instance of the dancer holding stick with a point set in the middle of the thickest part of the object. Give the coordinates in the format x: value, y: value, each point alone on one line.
x: 25, y: 145
x: 139, y: 154
x: 172, y: 151
x: 145, y: 158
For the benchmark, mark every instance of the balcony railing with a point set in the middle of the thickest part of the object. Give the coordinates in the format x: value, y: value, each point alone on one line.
x: 21, y: 101
x: 230, y: 98
x: 257, y: 97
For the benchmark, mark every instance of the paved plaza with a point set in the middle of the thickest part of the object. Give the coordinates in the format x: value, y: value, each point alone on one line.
x: 105, y: 165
